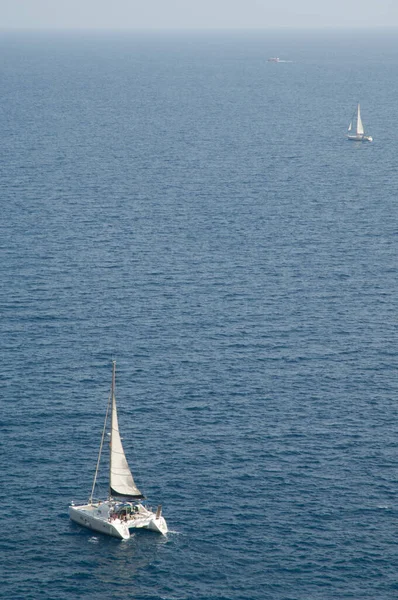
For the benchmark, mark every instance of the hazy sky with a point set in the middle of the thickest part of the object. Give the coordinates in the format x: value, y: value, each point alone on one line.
x: 181, y: 14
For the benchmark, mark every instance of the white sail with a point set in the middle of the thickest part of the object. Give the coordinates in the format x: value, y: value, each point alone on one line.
x: 360, y: 130
x: 121, y: 480
x: 350, y: 126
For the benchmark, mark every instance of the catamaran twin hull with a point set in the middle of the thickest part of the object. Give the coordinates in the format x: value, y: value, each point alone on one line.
x: 116, y: 519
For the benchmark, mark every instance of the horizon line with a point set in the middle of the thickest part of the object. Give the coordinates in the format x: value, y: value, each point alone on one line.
x: 201, y: 29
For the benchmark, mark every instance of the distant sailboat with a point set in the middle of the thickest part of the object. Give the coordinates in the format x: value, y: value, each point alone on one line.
x: 122, y: 510
x: 356, y: 126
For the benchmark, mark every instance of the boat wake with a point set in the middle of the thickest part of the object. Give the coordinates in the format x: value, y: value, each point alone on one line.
x: 174, y: 532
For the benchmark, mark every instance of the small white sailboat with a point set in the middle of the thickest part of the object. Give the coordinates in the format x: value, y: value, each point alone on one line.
x: 122, y: 510
x: 356, y: 127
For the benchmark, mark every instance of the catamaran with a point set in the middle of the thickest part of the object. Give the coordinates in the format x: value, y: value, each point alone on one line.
x: 123, y: 509
x: 356, y: 126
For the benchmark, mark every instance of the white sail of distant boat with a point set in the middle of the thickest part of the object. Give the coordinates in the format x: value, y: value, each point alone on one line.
x: 122, y: 510
x: 356, y: 126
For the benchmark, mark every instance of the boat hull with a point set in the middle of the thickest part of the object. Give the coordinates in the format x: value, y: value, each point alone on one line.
x: 360, y: 138
x: 103, y: 518
x: 83, y: 516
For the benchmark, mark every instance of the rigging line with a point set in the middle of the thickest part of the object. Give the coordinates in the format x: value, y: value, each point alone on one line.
x: 100, y: 450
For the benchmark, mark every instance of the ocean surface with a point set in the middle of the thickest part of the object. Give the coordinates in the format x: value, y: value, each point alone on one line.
x: 175, y: 202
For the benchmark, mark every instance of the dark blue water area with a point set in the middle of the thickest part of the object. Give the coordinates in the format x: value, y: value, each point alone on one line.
x: 177, y: 203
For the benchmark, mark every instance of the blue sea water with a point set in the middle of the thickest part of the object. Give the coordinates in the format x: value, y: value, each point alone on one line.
x: 177, y: 203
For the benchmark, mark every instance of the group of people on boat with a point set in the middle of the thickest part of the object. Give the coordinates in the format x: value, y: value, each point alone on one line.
x: 125, y: 513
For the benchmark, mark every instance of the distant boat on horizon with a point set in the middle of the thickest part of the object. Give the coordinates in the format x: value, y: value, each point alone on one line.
x: 356, y: 126
x: 276, y: 59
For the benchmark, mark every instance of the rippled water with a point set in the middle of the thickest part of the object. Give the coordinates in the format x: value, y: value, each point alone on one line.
x: 179, y: 204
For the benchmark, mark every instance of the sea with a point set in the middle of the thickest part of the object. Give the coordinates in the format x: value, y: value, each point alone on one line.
x: 175, y: 202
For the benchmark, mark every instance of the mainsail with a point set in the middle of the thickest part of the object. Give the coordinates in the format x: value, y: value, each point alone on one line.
x: 121, y: 481
x: 360, y: 130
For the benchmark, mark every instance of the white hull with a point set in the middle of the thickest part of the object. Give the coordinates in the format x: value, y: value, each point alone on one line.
x: 113, y: 519
x: 360, y: 138
x: 83, y: 515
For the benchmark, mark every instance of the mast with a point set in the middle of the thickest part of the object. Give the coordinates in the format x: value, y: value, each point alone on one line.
x: 112, y: 425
